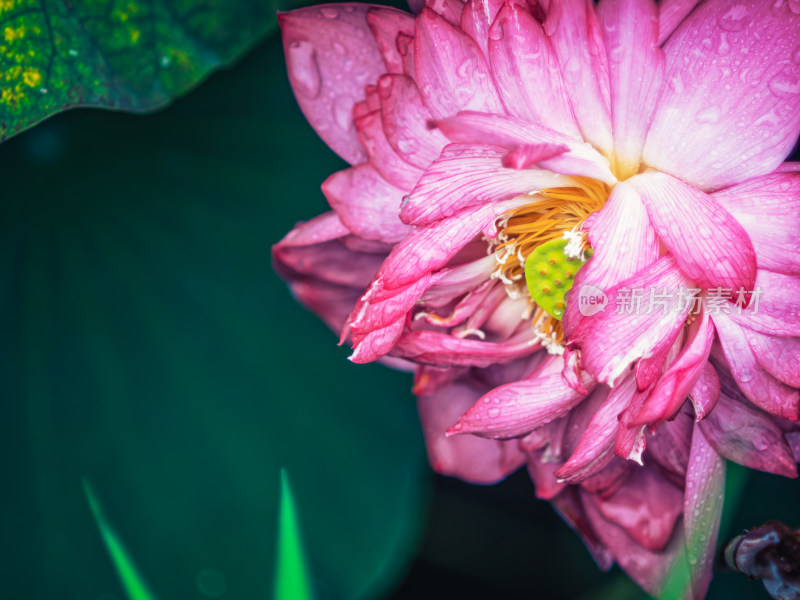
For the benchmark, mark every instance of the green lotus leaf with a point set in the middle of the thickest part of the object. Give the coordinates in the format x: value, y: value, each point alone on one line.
x: 125, y: 54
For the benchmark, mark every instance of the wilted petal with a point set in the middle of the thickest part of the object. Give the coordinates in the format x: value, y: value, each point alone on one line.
x: 429, y: 248
x: 647, y: 568
x: 705, y: 393
x: 668, y: 446
x: 608, y: 480
x: 749, y: 437
x: 452, y: 282
x: 315, y: 249
x: 323, y: 228
x: 705, y: 488
x: 467, y: 457
x: 545, y: 483
x: 647, y: 507
x: 569, y: 506
x: 672, y: 389
x: 731, y: 107
x: 517, y: 408
x: 429, y: 380
x: 595, y: 449
x: 312, y: 38
x: 435, y: 348
x: 331, y: 302
x: 451, y: 71
x: 758, y: 385
x: 708, y: 243
x: 366, y: 203
x: 526, y: 70
x: 483, y: 301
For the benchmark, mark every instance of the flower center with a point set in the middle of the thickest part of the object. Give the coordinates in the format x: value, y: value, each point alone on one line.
x: 553, y: 214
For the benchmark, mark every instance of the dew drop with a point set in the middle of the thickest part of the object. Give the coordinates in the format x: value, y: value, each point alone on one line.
x: 573, y: 64
x: 302, y: 64
x: 496, y: 32
x: 343, y: 111
x: 746, y: 374
x: 735, y: 19
x: 329, y: 12
x: 785, y: 84
x: 708, y: 115
x: 494, y: 413
x: 724, y: 47
x: 676, y: 83
x: 407, y: 145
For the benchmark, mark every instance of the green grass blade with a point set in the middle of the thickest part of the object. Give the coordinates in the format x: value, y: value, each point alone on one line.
x: 129, y: 576
x: 292, y: 581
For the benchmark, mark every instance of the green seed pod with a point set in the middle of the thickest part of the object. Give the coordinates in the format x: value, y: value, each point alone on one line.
x: 550, y: 273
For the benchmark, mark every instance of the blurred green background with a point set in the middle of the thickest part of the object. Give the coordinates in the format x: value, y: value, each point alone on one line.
x: 148, y: 348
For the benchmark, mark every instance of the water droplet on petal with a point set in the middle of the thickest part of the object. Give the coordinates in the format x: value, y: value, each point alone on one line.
x: 494, y: 413
x: 708, y: 115
x: 407, y: 145
x: 785, y: 84
x: 573, y: 64
x: 794, y: 6
x: 676, y: 83
x: 724, y: 47
x: 343, y: 111
x: 329, y: 12
x: 302, y: 64
x: 496, y: 31
x: 735, y: 19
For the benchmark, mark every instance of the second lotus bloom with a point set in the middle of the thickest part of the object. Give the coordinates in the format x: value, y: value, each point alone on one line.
x: 574, y: 224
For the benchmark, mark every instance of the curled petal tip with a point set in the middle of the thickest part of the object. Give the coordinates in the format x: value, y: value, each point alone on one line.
x: 456, y: 429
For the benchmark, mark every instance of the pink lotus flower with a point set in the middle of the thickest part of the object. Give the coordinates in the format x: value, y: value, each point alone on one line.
x: 490, y: 135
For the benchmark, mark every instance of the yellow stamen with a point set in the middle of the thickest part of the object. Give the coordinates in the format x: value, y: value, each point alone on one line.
x: 552, y: 212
